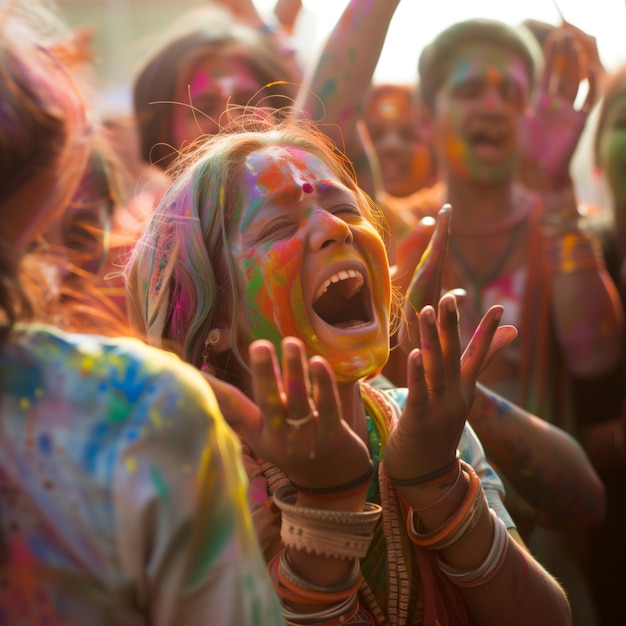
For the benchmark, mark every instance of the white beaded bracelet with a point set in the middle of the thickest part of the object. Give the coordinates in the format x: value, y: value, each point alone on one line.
x: 324, y: 542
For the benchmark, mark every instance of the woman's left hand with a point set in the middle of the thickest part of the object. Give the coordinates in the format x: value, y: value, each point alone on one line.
x: 441, y: 385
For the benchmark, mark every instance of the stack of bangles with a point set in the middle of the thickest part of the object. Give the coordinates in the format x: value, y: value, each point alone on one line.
x: 336, y: 534
x: 459, y: 525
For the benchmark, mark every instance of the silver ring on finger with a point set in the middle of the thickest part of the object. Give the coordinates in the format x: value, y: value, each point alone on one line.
x: 438, y: 389
x: 296, y: 423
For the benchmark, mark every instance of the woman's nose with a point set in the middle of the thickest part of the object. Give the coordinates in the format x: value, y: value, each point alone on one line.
x: 327, y: 230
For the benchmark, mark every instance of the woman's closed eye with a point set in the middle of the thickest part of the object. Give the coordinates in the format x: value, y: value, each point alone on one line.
x: 278, y: 228
x: 347, y: 212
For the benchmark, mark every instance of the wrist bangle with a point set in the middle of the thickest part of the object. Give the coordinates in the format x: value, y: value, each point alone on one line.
x: 362, y: 480
x: 428, y: 478
x: 444, y: 496
x: 453, y: 529
x: 490, y: 567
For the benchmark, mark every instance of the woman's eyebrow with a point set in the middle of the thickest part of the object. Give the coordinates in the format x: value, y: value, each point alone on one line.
x: 286, y: 193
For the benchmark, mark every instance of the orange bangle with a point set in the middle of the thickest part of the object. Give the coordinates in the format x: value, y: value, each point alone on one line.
x: 282, y: 592
x: 291, y: 592
x: 448, y: 527
x: 311, y: 596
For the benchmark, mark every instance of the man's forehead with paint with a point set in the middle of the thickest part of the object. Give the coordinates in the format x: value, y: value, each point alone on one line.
x: 491, y: 64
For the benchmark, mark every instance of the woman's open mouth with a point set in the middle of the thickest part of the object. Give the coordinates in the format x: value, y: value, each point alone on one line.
x: 343, y: 300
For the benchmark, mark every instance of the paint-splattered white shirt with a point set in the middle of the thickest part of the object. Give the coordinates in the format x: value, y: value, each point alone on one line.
x: 123, y: 500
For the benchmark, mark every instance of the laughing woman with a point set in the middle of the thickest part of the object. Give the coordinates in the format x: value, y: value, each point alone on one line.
x: 264, y: 267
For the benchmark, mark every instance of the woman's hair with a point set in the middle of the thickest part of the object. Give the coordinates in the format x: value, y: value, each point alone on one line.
x: 201, y: 34
x: 614, y: 86
x: 40, y: 144
x: 433, y: 65
x: 180, y: 278
x: 33, y: 133
x: 99, y: 193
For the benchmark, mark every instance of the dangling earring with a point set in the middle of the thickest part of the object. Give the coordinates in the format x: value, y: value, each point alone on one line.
x: 214, y: 338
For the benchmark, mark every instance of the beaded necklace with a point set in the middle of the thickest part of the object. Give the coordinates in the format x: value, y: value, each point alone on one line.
x: 511, y: 223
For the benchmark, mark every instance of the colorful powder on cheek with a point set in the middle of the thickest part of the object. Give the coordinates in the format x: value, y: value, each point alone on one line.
x: 270, y: 278
x: 281, y: 272
x: 258, y: 305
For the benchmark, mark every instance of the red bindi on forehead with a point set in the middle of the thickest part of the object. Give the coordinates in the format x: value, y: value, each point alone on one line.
x: 307, y: 188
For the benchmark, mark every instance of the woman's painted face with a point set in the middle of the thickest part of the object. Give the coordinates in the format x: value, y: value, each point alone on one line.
x: 214, y: 84
x: 478, y: 112
x: 309, y: 264
x: 612, y: 149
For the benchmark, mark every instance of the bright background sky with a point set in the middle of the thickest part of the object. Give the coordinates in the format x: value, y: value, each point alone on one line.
x: 416, y: 22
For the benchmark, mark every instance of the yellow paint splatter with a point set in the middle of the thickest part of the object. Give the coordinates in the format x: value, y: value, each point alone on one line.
x: 156, y: 419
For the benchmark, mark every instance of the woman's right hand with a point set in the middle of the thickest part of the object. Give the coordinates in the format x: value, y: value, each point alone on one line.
x: 296, y: 426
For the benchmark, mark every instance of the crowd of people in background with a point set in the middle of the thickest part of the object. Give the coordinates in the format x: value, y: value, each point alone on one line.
x: 285, y: 345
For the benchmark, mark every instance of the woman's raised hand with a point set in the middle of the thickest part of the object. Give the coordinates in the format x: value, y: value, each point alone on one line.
x: 441, y: 384
x: 292, y: 423
x: 426, y: 282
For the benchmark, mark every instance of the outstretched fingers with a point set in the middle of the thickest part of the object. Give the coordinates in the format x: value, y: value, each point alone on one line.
x: 448, y: 316
x: 266, y: 383
x: 296, y: 385
x: 325, y: 394
x: 440, y: 344
x: 434, y: 364
x: 479, y: 350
